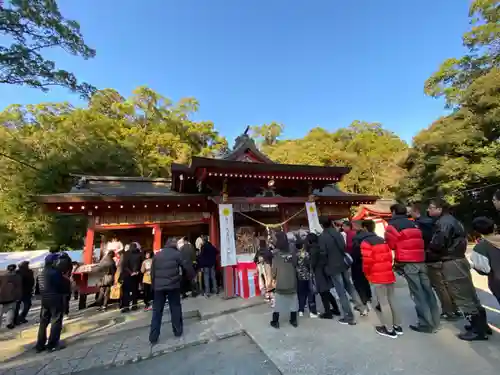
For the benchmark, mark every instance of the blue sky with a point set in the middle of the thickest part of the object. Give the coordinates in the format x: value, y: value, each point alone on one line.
x: 303, y: 63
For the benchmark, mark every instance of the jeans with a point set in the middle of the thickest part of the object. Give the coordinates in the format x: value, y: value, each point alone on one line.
x: 305, y: 294
x: 343, y: 285
x: 421, y: 292
x: 51, y: 313
x: 174, y: 303
x: 435, y: 272
x: 458, y: 280
x: 20, y: 316
x: 388, y: 314
x: 209, y: 279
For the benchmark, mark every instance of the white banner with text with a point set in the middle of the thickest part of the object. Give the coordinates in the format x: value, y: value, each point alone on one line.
x: 227, y: 241
x: 312, y: 218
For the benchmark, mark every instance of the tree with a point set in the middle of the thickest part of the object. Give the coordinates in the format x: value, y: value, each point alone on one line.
x: 140, y: 135
x: 35, y: 26
x: 372, y: 152
x: 267, y: 134
x: 460, y: 152
x: 482, y: 42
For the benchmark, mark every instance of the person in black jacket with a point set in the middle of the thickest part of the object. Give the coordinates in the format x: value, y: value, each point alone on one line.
x: 435, y: 265
x: 333, y: 245
x: 130, y: 275
x: 54, y: 287
x: 358, y: 276
x: 28, y: 283
x: 207, y: 261
x: 166, y: 276
x: 449, y: 243
x: 322, y: 281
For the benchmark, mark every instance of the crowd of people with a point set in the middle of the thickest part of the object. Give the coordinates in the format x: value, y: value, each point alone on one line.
x: 426, y: 247
x: 348, y: 264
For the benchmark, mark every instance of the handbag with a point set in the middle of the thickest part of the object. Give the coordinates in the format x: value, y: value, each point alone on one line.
x: 146, y: 279
x: 116, y: 292
x: 348, y: 259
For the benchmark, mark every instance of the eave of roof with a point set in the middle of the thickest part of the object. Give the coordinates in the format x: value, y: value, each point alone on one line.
x: 234, y: 166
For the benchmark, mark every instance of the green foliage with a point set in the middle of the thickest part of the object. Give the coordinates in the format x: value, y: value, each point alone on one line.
x: 34, y: 26
x: 267, y: 134
x: 458, y: 156
x: 459, y: 152
x: 482, y: 42
x: 141, y: 135
x: 372, y: 152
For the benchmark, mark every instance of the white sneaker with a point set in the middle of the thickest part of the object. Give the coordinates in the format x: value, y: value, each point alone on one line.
x: 301, y: 313
x: 311, y: 315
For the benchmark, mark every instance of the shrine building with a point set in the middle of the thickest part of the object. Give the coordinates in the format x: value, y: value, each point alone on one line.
x: 261, y: 192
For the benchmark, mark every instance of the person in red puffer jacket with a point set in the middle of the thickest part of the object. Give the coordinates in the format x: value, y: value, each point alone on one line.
x: 377, y: 266
x: 405, y: 238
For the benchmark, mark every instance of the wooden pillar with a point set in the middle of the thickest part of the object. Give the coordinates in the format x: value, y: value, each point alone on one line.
x: 227, y: 272
x: 283, y: 218
x: 214, y: 230
x: 156, y: 238
x: 88, y: 250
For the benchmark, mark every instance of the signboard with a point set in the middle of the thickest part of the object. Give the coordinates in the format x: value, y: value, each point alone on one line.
x: 227, y: 240
x: 312, y: 218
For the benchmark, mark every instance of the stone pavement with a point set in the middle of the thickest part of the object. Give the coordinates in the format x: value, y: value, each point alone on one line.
x: 315, y: 347
x: 91, y: 323
x: 246, y: 359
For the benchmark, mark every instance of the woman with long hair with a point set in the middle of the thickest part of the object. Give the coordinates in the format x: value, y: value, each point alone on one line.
x: 285, y: 281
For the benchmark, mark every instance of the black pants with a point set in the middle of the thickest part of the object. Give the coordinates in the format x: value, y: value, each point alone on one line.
x: 361, y: 283
x: 148, y: 293
x: 51, y: 312
x: 174, y: 304
x: 130, y: 291
x: 305, y: 294
x: 20, y: 316
x: 329, y: 303
x: 67, y: 300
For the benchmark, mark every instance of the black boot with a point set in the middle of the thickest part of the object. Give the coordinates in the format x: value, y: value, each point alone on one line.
x: 293, y: 319
x: 276, y: 320
x: 482, y: 312
x: 478, y: 331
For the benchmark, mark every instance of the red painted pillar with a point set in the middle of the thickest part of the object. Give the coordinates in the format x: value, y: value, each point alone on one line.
x: 283, y: 218
x: 156, y: 238
x: 227, y: 272
x: 88, y: 250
